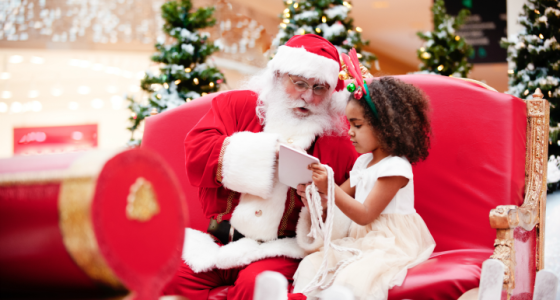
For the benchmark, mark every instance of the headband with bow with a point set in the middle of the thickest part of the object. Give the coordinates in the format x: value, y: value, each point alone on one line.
x: 360, y: 87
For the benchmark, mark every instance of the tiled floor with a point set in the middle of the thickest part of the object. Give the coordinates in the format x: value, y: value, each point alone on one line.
x: 552, y: 235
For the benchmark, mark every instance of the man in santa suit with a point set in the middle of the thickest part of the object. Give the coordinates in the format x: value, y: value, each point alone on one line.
x: 258, y: 223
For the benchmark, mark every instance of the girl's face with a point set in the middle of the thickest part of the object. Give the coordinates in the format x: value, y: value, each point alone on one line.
x: 361, y: 133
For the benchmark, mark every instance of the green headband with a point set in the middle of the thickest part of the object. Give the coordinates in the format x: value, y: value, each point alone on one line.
x: 370, y: 102
x: 352, y: 87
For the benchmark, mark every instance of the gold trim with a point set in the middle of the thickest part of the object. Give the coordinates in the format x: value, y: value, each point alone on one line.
x: 538, y: 110
x: 228, y: 207
x: 291, y: 206
x: 221, y: 160
x: 505, y: 218
x: 505, y: 252
x: 28, y: 178
x: 542, y: 203
x: 74, y: 205
x: 142, y: 202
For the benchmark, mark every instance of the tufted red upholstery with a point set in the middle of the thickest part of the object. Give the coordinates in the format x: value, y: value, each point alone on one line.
x: 476, y: 162
x: 165, y: 133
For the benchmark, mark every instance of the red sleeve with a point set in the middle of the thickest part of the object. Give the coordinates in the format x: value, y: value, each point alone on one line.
x: 203, y: 143
x: 337, y: 152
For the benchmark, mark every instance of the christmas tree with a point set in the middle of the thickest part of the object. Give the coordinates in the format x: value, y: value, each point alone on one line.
x: 444, y: 52
x: 534, y: 55
x: 327, y: 18
x: 183, y: 74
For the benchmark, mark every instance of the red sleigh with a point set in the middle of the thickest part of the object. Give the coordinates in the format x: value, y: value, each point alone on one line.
x: 488, y: 156
x: 92, y: 224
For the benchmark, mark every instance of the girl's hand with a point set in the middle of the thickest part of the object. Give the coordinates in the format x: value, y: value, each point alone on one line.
x: 319, y: 177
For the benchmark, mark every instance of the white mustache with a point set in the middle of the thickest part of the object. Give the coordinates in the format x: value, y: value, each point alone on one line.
x: 297, y: 103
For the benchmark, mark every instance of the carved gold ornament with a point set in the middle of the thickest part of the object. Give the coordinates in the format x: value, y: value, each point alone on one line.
x: 505, y: 252
x: 142, y: 202
x: 505, y: 218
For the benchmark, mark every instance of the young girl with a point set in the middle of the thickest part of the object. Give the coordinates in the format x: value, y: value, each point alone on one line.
x: 379, y: 196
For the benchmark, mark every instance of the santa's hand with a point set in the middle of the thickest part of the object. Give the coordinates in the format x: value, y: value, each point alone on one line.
x: 320, y: 177
x: 301, y: 192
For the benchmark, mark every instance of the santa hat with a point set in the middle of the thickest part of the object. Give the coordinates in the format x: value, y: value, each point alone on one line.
x: 311, y: 56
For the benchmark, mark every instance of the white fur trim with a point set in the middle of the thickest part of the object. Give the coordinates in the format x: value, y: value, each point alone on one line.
x: 259, y: 218
x: 202, y: 254
x: 246, y: 251
x: 339, y: 100
x: 341, y: 224
x: 298, y: 61
x: 249, y: 163
x: 199, y: 250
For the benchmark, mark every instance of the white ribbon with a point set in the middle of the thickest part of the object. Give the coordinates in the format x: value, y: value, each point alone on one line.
x: 324, y: 229
x: 356, y: 177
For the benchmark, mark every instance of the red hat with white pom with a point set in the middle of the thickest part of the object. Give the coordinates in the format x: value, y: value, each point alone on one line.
x: 311, y: 56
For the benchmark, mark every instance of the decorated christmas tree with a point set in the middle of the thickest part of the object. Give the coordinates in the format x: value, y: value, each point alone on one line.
x: 327, y: 18
x: 534, y: 55
x: 183, y: 74
x: 443, y: 51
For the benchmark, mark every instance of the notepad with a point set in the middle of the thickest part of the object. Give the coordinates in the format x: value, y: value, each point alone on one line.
x: 292, y: 166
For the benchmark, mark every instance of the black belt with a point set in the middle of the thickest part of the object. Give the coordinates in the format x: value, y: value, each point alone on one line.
x: 225, y: 233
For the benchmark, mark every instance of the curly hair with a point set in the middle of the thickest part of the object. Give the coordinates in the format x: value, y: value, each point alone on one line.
x: 403, y: 127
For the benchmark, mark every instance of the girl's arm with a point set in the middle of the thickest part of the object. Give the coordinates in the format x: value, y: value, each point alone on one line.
x: 382, y: 193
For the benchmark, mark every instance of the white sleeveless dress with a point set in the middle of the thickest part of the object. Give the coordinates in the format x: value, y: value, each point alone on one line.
x: 396, y: 241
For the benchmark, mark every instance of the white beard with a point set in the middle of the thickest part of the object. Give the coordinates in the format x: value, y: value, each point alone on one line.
x: 276, y: 109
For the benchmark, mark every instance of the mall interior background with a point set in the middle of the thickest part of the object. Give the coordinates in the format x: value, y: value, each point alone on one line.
x: 73, y: 63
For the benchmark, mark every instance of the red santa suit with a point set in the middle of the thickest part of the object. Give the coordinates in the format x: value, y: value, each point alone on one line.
x: 231, y: 157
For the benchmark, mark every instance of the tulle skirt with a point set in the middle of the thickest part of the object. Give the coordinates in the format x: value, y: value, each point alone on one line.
x: 390, y: 245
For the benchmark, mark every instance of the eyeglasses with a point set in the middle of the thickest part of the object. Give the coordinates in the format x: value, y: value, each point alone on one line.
x: 302, y: 86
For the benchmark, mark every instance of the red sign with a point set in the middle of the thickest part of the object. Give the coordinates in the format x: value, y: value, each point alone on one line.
x: 55, y: 139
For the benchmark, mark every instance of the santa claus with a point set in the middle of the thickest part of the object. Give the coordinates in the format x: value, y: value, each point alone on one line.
x: 256, y: 222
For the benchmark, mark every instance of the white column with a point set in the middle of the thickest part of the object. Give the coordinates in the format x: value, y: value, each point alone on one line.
x: 514, y: 9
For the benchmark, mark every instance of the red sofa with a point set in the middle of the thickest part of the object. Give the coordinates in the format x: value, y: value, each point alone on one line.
x: 477, y: 162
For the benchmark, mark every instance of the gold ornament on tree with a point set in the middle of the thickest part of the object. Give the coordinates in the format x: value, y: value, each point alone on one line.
x: 343, y: 74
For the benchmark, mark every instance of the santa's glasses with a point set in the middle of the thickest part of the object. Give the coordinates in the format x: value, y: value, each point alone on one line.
x: 302, y: 86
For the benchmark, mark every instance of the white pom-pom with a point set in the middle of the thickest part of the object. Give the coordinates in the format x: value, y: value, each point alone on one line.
x: 271, y: 285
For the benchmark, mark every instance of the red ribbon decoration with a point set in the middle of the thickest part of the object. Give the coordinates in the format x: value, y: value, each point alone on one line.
x: 353, y: 66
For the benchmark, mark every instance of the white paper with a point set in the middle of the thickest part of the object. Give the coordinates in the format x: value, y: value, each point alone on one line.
x: 292, y: 166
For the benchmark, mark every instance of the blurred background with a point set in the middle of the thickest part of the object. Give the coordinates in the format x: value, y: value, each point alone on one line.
x: 66, y: 64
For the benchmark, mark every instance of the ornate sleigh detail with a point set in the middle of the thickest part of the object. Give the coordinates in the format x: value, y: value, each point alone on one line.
x: 506, y: 218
